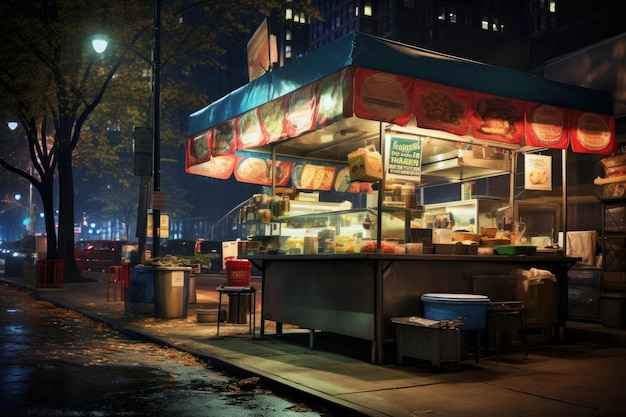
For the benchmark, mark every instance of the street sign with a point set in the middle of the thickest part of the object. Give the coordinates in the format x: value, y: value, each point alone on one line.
x: 158, y: 200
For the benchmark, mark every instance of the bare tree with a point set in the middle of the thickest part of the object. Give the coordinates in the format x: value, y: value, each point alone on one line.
x: 51, y: 81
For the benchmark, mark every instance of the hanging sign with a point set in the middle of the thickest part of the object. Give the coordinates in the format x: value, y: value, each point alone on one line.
x: 497, y: 118
x: 442, y: 107
x: 546, y: 126
x: 538, y: 172
x: 593, y: 133
x: 403, y: 159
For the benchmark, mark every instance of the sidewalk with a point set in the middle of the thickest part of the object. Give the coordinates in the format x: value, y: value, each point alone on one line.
x: 573, y: 379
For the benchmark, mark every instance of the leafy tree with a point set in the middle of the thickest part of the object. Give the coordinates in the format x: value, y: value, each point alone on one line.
x: 52, y: 82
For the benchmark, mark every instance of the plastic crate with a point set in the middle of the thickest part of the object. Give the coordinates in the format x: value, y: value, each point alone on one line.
x: 238, y: 273
x: 439, y: 346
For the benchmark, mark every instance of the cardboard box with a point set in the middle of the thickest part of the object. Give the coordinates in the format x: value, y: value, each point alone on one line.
x: 365, y: 165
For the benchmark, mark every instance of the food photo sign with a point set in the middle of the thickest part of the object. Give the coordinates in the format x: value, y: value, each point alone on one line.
x: 538, y: 172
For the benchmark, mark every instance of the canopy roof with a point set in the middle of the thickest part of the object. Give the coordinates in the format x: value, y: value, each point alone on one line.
x: 327, y: 105
x: 366, y: 51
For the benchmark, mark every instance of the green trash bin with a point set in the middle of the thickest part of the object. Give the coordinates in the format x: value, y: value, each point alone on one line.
x: 171, y: 292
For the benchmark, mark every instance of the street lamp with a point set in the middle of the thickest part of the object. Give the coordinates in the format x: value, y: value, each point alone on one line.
x: 12, y: 124
x: 99, y: 45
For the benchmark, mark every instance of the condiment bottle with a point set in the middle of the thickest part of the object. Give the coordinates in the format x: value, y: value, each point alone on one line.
x: 285, y: 206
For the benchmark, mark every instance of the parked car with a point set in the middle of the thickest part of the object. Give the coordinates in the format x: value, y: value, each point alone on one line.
x: 99, y: 255
x: 207, y: 253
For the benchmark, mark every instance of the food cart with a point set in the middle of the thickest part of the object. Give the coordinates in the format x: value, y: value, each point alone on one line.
x: 365, y: 113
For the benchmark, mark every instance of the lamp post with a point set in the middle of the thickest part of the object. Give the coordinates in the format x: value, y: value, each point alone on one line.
x: 99, y: 45
x: 12, y: 125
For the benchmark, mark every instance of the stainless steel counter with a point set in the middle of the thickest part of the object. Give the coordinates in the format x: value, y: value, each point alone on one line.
x: 357, y: 294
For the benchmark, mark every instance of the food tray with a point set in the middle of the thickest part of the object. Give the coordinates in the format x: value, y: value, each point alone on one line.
x: 455, y: 249
x: 515, y: 250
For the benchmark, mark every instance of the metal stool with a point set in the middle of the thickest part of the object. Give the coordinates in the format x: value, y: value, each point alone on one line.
x: 249, y: 292
x: 506, y: 316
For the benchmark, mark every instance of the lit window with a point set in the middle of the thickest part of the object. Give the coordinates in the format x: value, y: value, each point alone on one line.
x: 367, y: 9
x: 287, y: 51
x: 296, y: 18
x: 452, y: 15
x: 484, y: 24
x: 288, y: 35
x: 494, y: 25
x: 552, y: 7
x: 442, y: 13
x: 288, y: 14
x: 302, y: 17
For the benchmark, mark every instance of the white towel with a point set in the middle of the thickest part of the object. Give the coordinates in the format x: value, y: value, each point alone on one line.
x: 583, y: 244
x: 534, y: 276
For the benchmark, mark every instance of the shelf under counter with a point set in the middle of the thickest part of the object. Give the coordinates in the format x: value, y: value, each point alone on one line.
x: 357, y: 294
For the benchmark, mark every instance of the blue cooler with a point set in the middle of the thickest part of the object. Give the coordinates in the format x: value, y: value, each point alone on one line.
x: 471, y: 309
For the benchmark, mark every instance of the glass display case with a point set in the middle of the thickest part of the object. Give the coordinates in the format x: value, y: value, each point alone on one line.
x: 540, y: 221
x: 339, y: 231
x: 468, y: 215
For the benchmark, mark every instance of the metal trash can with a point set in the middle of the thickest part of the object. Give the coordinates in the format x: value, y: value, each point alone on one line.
x: 28, y: 270
x: 613, y: 309
x: 171, y: 292
x: 238, y: 308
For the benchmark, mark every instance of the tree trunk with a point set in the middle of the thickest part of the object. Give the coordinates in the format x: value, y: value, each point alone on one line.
x: 47, y: 198
x: 66, y: 212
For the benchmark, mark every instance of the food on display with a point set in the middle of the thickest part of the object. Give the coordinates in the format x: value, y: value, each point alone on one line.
x: 283, y: 171
x: 272, y: 117
x: 342, y: 181
x: 442, y: 107
x: 614, y: 190
x: 220, y: 167
x: 497, y: 116
x: 301, y: 111
x: 383, y: 95
x: 254, y: 170
x: 538, y: 177
x: 224, y: 139
x: 250, y: 133
x: 330, y: 101
x: 313, y: 177
x: 592, y: 132
x: 200, y: 149
x: 547, y: 124
x: 368, y: 245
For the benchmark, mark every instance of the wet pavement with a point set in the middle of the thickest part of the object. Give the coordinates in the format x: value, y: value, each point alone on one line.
x: 58, y: 362
x: 583, y: 377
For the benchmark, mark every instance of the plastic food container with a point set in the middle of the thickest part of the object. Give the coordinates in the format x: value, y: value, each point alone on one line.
x: 515, y: 250
x: 470, y: 309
